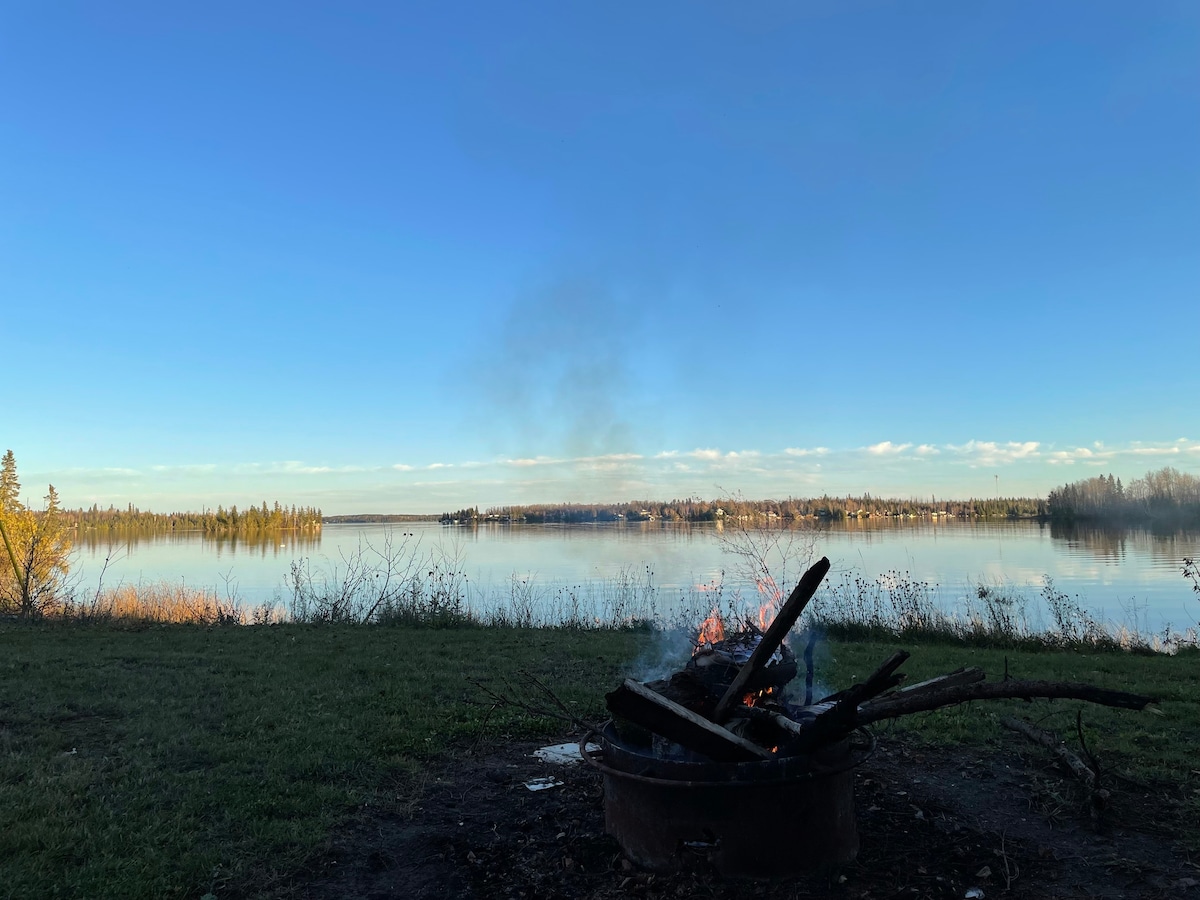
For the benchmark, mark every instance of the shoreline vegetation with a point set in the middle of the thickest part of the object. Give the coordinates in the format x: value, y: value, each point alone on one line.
x: 220, y: 521
x: 1165, y: 496
x: 404, y: 585
x: 776, y: 512
x: 398, y: 582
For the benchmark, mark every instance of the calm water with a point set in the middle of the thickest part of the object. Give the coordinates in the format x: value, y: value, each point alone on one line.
x: 1113, y: 573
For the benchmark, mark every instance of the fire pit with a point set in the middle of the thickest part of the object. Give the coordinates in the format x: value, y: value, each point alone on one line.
x: 714, y: 766
x: 760, y: 819
x: 680, y: 789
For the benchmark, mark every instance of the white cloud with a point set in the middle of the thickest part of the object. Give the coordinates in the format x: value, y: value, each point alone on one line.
x: 1070, y: 456
x: 1153, y: 451
x: 804, y: 451
x: 608, y: 458
x: 991, y: 453
x: 887, y: 448
x: 527, y: 462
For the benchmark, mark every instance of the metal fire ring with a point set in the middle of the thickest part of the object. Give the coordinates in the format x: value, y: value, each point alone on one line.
x: 852, y: 762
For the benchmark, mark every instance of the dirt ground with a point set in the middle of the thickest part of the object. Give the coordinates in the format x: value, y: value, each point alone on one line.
x: 932, y: 822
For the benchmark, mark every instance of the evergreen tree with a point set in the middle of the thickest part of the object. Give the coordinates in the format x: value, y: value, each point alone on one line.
x: 10, y: 485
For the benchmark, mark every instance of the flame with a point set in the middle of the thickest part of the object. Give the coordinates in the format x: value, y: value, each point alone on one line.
x: 772, y: 597
x: 712, y: 630
x: 754, y: 699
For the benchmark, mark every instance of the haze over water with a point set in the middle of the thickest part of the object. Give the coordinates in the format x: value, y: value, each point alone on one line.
x: 1115, y: 574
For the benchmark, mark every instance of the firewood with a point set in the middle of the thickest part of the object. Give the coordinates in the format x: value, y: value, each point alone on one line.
x: 882, y: 679
x: 848, y: 710
x: 897, y: 705
x: 788, y: 614
x: 837, y: 715
x: 966, y: 675
x: 642, y: 706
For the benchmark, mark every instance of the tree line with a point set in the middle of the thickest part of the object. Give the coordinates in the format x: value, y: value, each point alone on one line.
x: 1166, y: 496
x: 252, y: 520
x: 35, y: 544
x: 791, y: 509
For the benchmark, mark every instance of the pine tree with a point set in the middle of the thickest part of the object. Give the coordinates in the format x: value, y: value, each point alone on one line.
x: 10, y: 485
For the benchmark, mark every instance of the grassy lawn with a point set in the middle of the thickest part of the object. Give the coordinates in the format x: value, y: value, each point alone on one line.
x: 180, y: 761
x: 1158, y: 743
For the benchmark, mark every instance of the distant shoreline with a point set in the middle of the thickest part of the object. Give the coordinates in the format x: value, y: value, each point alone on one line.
x: 377, y: 518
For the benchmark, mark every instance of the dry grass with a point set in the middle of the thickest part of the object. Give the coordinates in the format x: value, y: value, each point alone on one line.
x: 162, y: 603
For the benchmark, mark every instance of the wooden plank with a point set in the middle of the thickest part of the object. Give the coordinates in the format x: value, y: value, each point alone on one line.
x: 788, y: 614
x: 642, y: 706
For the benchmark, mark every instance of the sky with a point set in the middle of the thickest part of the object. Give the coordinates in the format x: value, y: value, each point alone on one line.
x: 409, y: 257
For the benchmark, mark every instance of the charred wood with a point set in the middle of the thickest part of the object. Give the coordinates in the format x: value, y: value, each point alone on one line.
x: 654, y: 712
x: 957, y: 678
x: 837, y: 715
x: 882, y: 679
x: 789, y: 613
x: 687, y: 688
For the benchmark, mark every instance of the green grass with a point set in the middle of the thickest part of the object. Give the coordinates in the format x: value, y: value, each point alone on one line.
x: 1159, y: 743
x: 174, y: 761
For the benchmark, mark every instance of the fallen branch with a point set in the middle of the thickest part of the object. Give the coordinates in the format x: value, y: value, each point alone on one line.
x: 1039, y: 736
x: 897, y: 705
x: 500, y: 701
x: 957, y: 678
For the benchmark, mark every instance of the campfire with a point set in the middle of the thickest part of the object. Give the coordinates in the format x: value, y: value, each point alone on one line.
x: 716, y: 764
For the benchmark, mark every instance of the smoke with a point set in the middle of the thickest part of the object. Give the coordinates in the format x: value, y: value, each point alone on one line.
x: 666, y: 653
x: 557, y: 380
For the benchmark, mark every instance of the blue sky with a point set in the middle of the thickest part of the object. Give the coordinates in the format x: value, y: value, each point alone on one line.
x: 406, y: 257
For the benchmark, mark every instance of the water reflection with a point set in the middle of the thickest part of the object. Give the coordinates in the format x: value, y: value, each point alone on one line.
x: 1163, y: 547
x: 1109, y: 568
x: 261, y: 544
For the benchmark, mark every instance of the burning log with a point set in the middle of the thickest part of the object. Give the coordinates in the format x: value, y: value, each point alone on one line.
x: 717, y: 665
x: 773, y: 637
x: 642, y: 706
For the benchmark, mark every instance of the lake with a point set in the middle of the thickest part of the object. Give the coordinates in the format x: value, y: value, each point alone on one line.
x: 1116, y: 574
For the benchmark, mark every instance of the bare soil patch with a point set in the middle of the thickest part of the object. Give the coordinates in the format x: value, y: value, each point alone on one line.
x: 933, y: 822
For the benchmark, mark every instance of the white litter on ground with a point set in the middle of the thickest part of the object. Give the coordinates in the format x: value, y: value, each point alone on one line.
x: 563, y: 754
x: 542, y: 784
